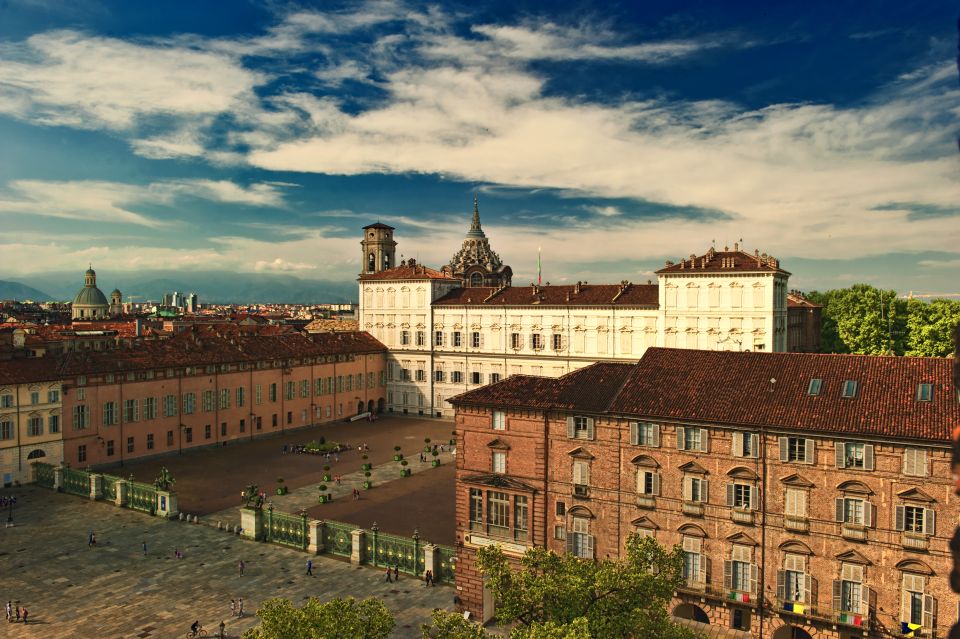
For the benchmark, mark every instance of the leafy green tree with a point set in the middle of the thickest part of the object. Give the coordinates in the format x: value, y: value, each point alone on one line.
x: 930, y: 327
x: 862, y: 320
x: 336, y: 619
x: 551, y: 593
x: 451, y: 625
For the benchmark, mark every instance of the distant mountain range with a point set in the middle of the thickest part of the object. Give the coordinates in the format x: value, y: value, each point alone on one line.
x: 223, y: 287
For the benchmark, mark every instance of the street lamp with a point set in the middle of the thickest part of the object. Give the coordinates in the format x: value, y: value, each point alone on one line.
x: 9, y: 502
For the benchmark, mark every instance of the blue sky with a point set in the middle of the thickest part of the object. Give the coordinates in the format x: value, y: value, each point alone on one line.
x: 260, y: 136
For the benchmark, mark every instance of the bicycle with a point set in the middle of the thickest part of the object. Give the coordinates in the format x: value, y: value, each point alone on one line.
x: 199, y: 633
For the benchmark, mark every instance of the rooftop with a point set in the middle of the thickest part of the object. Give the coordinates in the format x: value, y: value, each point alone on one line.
x: 623, y: 294
x: 726, y: 261
x: 408, y: 270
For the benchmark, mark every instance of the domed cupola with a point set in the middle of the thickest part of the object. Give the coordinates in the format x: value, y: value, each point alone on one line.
x: 90, y: 303
x: 476, y: 264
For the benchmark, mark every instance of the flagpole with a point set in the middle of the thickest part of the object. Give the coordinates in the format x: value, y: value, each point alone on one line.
x: 539, y: 269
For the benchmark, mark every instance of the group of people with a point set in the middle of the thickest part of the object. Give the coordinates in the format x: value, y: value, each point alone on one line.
x: 393, y: 574
x: 16, y: 613
x: 196, y: 627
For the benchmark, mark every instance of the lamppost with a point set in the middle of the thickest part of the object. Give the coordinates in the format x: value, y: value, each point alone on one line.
x: 9, y: 502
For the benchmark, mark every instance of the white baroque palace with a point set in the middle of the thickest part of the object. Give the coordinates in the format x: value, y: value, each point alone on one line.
x: 447, y: 335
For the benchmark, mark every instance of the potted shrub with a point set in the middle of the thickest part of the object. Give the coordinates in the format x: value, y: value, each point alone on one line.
x: 366, y: 464
x: 427, y: 448
x: 436, y: 461
x: 326, y: 473
x: 281, y: 489
x: 397, y: 455
x: 453, y: 440
x: 324, y: 497
x: 367, y: 483
x: 404, y: 471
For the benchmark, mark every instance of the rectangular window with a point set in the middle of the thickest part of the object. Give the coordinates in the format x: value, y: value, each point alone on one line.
x: 494, y: 378
x: 149, y: 441
x: 648, y: 483
x: 853, y: 455
x: 188, y: 435
x: 169, y: 438
x: 741, y: 496
x: 223, y: 429
x: 500, y: 463
x: 456, y: 338
x: 746, y: 444
x: 557, y: 342
x: 81, y: 415
x: 795, y: 502
x: 536, y: 341
x: 6, y: 400
x: 438, y: 375
x: 561, y: 509
x: 421, y: 375
x: 692, y: 561
x: 498, y: 511
x: 515, y: 342
x: 190, y: 402
x: 243, y: 425
x: 645, y: 434
x: 456, y: 377
x: 581, y: 428
x: 520, y: 518
x: 692, y: 438
x: 35, y: 426
x: 814, y: 387
x: 405, y: 338
x: 224, y: 398
x: 53, y: 396
x: 272, y: 395
x: 740, y: 576
x: 34, y: 398
x: 129, y: 444
x: 131, y: 412
x: 476, y: 509
x: 559, y: 532
x: 475, y: 377
x: 290, y: 390
x: 925, y: 392
x: 109, y: 414
x: 915, y: 462
x: 207, y: 431
x: 797, y: 449
x: 853, y: 511
x: 499, y: 420
x: 421, y: 338
x: 150, y: 408
x: 289, y: 417
x: 53, y: 423
x: 696, y: 489
x: 581, y: 474
x: 6, y: 429
x: 82, y: 453
x: 241, y: 397
x: 169, y: 405
x: 475, y: 339
x: 581, y: 542
x: 849, y: 388
x: 258, y: 394
x: 438, y: 338
x: 850, y: 596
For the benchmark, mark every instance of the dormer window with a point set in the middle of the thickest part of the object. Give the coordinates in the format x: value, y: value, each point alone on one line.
x: 814, y: 387
x: 925, y: 392
x: 849, y: 388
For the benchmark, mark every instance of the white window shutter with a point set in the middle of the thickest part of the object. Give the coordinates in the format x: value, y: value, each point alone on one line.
x: 840, y: 454
x: 810, y: 451
x: 704, y: 572
x: 704, y: 491
x: 868, y: 514
x: 655, y: 435
x: 783, y: 448
x: 922, y: 465
x: 656, y: 485
x: 782, y: 585
x: 577, y: 473
x: 570, y: 538
x: 837, y: 594
x: 755, y: 445
x: 929, y: 521
x: 571, y: 432
x: 754, y: 578
x: 904, y: 603
x: 868, y: 461
x: 730, y: 488
x: 909, y: 461
x: 865, y: 596
x: 929, y: 612
x: 737, y: 444
x: 590, y: 427
x: 640, y: 476
x: 704, y: 440
x: 727, y: 574
x: 838, y: 509
x: 634, y: 433
x: 680, y: 438
x: 754, y: 498
x: 585, y: 473
x: 589, y: 553
x: 899, y: 518
x: 687, y: 488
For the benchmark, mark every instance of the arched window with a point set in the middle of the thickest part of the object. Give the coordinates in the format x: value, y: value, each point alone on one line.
x: 371, y: 262
x: 36, y: 454
x: 386, y: 261
x: 476, y: 280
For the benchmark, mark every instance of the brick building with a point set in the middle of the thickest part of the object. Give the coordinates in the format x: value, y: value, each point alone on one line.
x: 803, y: 324
x: 816, y: 480
x: 204, y: 386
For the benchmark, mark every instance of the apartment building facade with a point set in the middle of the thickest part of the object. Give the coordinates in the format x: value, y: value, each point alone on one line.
x: 31, y: 421
x: 448, y: 331
x: 805, y: 490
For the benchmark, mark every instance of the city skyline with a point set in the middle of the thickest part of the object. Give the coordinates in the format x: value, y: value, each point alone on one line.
x: 262, y: 138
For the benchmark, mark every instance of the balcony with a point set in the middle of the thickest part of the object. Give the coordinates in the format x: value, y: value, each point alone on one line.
x: 853, y: 532
x: 915, y: 541
x: 742, y: 516
x: 581, y: 490
x: 796, y: 523
x: 693, y: 508
x: 646, y: 501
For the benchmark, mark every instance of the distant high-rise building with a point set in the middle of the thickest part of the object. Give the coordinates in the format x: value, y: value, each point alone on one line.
x: 192, y: 303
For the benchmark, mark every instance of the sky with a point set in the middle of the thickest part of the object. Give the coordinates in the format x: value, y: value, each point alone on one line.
x: 259, y: 136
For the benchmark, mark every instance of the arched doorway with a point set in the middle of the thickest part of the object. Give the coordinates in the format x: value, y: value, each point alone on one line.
x: 36, y: 454
x: 380, y: 405
x: 690, y: 611
x: 791, y: 632
x: 370, y: 406
x: 359, y: 407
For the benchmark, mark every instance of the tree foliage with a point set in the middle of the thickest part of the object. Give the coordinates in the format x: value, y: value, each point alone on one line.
x: 869, y: 321
x: 336, y: 619
x: 560, y: 596
x: 451, y: 625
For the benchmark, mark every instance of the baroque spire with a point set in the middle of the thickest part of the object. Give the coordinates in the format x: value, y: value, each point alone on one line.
x: 475, y: 229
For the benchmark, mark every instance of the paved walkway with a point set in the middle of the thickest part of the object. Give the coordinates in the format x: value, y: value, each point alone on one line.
x: 306, y: 497
x: 114, y: 590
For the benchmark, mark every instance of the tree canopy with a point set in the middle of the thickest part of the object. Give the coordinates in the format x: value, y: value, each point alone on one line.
x: 556, y: 596
x: 335, y: 619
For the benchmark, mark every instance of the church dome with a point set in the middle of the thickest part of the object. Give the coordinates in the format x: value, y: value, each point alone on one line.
x: 90, y: 302
x: 90, y: 296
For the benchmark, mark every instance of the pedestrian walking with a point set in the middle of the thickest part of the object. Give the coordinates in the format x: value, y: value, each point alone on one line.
x: 9, y: 611
x: 310, y: 567
x: 144, y: 547
x: 396, y: 572
x: 240, y: 607
x: 336, y: 457
x: 25, y: 613
x: 389, y: 580
x: 366, y: 448
x: 18, y: 611
x: 223, y: 630
x: 233, y: 607
x: 241, y: 567
x: 177, y: 554
x: 92, y: 539
x: 428, y: 578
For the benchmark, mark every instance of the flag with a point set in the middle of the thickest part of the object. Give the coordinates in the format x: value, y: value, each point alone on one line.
x: 740, y: 596
x: 794, y: 607
x: 539, y: 271
x: 908, y: 629
x: 851, y: 619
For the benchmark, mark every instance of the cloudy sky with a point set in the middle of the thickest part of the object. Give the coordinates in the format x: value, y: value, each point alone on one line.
x: 259, y: 136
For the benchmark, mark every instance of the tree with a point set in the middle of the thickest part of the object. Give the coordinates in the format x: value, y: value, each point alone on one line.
x: 550, y: 593
x: 336, y: 619
x: 450, y: 625
x: 862, y: 320
x: 930, y: 327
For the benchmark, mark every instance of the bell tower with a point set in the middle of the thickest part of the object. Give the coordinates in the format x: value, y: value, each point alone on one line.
x: 379, y: 249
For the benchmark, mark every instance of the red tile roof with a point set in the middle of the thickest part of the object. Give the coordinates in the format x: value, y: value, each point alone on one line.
x: 407, y: 272
x: 796, y: 300
x: 566, y: 295
x: 735, y: 261
x: 729, y: 388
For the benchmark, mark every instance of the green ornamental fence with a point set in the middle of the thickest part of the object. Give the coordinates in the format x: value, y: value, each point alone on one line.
x: 384, y: 549
x: 43, y: 474
x: 142, y: 497
x: 338, y: 538
x: 284, y: 528
x: 446, y: 563
x: 76, y: 482
x: 110, y: 487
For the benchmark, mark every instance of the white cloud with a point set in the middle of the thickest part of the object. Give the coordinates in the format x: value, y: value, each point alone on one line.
x: 281, y: 265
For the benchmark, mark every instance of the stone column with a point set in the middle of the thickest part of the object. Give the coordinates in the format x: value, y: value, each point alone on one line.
x: 121, y: 492
x: 167, y: 504
x: 358, y: 554
x: 96, y: 487
x: 251, y: 521
x: 58, y: 478
x: 315, y: 530
x: 431, y: 561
